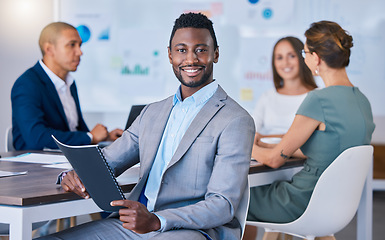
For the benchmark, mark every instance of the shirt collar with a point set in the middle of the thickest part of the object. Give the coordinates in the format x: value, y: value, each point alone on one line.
x: 201, y: 96
x: 58, y: 82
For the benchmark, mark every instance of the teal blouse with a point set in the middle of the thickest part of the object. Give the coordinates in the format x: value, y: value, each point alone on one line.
x: 348, y: 120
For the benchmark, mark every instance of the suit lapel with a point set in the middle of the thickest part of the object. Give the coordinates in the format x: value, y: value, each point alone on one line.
x: 51, y: 91
x: 154, y: 136
x: 74, y: 94
x: 199, y: 123
x: 82, y: 126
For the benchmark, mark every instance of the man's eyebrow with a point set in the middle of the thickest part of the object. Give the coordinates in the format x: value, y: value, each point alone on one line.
x: 180, y: 44
x: 74, y: 41
x: 197, y: 45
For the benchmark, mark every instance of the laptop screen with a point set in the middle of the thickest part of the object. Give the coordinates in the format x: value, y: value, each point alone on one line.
x: 134, y: 113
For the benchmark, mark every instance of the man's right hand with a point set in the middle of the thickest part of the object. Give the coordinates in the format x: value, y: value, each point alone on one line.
x: 72, y: 183
x: 99, y: 133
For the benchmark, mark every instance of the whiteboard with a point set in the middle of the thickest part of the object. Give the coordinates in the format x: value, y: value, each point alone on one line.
x: 125, y: 59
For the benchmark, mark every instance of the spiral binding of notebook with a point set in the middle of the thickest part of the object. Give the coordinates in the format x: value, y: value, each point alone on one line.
x: 111, y: 172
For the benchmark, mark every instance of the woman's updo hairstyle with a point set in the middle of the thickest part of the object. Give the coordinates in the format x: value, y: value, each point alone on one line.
x: 330, y: 42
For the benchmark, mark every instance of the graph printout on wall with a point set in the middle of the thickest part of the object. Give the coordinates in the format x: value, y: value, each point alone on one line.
x: 125, y: 60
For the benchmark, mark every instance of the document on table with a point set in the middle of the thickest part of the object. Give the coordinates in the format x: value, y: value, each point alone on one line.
x: 8, y: 174
x: 37, y: 158
x: 254, y: 162
x: 66, y: 165
x: 129, y: 176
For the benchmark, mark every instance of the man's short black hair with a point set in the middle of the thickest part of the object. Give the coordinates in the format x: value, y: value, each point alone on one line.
x: 194, y: 20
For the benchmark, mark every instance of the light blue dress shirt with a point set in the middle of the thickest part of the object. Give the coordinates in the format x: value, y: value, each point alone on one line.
x: 182, y: 114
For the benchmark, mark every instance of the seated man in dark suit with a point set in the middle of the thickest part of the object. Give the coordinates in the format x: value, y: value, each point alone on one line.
x: 45, y: 100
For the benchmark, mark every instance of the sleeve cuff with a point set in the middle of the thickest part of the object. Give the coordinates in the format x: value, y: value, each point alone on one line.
x: 61, y: 176
x: 90, y: 135
x: 162, y: 222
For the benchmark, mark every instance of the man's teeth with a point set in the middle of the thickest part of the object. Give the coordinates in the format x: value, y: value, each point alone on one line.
x: 190, y: 70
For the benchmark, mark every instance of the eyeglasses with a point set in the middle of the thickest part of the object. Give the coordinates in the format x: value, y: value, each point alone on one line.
x: 303, y: 52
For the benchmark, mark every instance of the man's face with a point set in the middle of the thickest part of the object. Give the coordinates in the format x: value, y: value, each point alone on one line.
x: 66, y: 51
x: 192, y: 56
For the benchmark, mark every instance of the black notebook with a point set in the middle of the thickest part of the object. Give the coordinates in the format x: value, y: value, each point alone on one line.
x: 95, y: 173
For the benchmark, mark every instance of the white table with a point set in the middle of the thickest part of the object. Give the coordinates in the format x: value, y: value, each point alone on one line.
x: 21, y: 218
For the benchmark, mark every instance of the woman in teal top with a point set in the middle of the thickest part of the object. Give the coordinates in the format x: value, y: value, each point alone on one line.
x: 329, y: 121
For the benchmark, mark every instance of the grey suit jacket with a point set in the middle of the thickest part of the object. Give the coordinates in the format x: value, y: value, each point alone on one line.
x: 205, y: 180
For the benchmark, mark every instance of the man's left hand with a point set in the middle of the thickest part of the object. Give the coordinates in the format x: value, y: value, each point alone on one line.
x: 136, y: 217
x: 114, y: 134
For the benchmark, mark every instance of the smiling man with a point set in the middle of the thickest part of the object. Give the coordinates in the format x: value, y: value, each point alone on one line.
x: 45, y: 100
x: 194, y: 152
x: 192, y: 53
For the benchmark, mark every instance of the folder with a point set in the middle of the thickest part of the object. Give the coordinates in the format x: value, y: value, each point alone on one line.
x: 95, y: 173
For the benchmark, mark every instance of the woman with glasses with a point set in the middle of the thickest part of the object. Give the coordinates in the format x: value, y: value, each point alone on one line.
x: 329, y: 121
x: 276, y: 108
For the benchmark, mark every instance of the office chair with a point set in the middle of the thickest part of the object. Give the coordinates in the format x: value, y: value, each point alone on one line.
x: 241, y: 213
x: 9, y: 140
x: 334, y: 200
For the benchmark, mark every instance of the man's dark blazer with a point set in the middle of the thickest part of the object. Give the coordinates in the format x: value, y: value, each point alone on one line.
x: 37, y: 113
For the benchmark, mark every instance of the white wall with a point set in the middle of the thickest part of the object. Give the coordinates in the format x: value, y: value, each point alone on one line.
x: 20, y: 24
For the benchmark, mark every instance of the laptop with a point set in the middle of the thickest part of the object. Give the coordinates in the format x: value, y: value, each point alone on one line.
x: 134, y: 113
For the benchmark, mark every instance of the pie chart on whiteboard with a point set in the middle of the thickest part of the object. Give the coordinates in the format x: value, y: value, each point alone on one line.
x: 84, y: 33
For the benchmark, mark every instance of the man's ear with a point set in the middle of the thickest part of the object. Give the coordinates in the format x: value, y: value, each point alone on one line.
x: 169, y: 54
x: 48, y: 48
x: 216, y: 55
